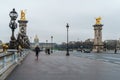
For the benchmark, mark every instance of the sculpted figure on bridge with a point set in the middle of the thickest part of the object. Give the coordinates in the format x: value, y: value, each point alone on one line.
x: 98, y: 20
x: 22, y: 15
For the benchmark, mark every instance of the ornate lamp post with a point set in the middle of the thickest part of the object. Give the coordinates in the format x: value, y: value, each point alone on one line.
x: 67, y: 54
x: 51, y: 44
x: 13, y: 25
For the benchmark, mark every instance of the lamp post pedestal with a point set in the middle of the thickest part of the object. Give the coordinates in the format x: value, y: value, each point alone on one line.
x: 67, y: 54
x: 12, y: 44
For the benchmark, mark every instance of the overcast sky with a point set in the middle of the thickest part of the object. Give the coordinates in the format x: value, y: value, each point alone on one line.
x: 48, y: 18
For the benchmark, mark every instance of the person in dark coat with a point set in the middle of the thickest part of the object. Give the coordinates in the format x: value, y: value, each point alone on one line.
x: 48, y: 51
x: 37, y: 50
x: 115, y: 50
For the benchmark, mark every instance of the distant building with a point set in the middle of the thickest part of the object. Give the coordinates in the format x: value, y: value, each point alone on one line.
x: 112, y: 44
x: 44, y: 45
x: 89, y: 40
x: 36, y: 40
x: 47, y: 45
x: 110, y: 41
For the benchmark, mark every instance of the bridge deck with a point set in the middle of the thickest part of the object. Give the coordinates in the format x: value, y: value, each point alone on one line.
x: 59, y: 67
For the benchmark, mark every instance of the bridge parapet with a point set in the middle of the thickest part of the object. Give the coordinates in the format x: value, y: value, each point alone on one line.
x: 9, y: 60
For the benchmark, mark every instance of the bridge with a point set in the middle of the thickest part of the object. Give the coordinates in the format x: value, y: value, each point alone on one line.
x: 24, y: 66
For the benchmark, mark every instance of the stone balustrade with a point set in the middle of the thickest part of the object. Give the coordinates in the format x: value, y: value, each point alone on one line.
x: 9, y: 60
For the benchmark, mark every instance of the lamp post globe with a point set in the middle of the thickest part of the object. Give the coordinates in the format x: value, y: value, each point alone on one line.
x: 13, y: 14
x: 67, y: 53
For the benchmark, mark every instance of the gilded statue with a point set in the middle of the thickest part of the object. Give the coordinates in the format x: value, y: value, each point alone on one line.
x: 5, y: 47
x: 98, y: 20
x: 22, y: 15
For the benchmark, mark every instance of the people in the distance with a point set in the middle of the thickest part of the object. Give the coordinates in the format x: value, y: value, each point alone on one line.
x: 47, y: 51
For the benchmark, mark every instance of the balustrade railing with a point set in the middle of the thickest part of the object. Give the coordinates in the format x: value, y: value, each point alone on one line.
x: 11, y: 57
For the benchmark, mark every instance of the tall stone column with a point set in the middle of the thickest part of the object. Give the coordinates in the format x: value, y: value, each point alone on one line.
x: 98, y: 44
x: 22, y: 36
x: 22, y: 26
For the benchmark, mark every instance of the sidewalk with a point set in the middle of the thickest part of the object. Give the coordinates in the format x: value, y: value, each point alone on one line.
x: 57, y: 66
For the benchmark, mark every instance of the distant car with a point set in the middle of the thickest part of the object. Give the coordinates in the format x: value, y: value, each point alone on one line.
x: 87, y: 50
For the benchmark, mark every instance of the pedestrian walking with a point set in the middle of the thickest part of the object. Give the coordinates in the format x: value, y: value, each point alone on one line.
x: 37, y: 50
x: 115, y: 50
x: 48, y: 50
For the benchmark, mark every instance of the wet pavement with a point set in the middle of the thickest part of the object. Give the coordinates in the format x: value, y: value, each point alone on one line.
x: 57, y: 66
x: 107, y: 57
